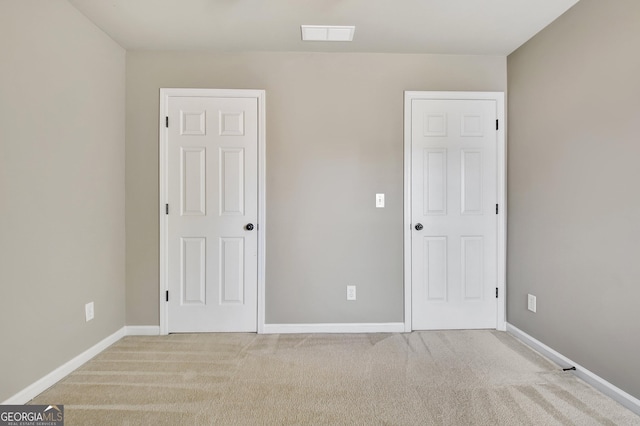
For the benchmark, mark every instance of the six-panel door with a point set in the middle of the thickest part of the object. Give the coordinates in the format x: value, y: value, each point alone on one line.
x: 454, y: 195
x: 212, y: 194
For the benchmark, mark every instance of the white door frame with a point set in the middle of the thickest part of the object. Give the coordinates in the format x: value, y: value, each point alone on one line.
x: 165, y: 94
x: 409, y: 97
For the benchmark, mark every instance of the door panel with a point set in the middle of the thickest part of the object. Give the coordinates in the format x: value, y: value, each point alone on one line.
x: 193, y: 177
x: 232, y: 183
x: 192, y: 268
x: 454, y: 193
x: 435, y: 268
x: 231, y: 266
x: 471, y: 181
x: 212, y: 176
x: 435, y: 182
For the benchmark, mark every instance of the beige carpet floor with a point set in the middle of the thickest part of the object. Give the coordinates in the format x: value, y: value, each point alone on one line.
x: 419, y: 378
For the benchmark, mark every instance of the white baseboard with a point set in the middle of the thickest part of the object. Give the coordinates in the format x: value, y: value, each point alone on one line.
x: 390, y: 327
x: 612, y: 391
x: 35, y: 389
x: 142, y: 330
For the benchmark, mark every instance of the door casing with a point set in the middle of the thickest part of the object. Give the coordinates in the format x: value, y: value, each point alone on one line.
x: 498, y: 97
x: 165, y: 95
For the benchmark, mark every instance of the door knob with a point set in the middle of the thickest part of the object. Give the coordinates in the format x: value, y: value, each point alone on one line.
x: 249, y: 227
x: 419, y: 227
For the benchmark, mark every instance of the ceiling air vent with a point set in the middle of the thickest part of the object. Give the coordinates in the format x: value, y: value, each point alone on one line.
x: 327, y: 32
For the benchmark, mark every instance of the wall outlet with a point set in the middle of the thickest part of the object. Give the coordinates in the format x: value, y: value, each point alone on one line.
x: 531, y: 302
x: 88, y: 311
x: 351, y: 292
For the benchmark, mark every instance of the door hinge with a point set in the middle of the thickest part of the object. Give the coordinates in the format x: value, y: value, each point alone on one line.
x: 166, y: 208
x: 166, y: 121
x: 167, y: 295
x: 497, y: 209
x: 496, y: 125
x: 496, y: 292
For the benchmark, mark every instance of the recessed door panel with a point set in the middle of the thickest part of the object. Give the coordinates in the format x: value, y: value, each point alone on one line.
x: 231, y: 123
x: 472, y: 264
x: 193, y: 123
x: 193, y: 176
x: 434, y: 124
x: 231, y: 270
x: 435, y: 182
x: 435, y: 263
x: 231, y: 181
x: 471, y: 179
x: 193, y: 268
x: 471, y: 125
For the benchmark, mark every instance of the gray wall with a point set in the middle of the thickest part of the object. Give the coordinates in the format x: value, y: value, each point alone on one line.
x: 574, y: 208
x: 334, y: 139
x: 62, y: 84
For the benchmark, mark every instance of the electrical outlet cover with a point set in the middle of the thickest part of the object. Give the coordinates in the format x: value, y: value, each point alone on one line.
x: 351, y: 292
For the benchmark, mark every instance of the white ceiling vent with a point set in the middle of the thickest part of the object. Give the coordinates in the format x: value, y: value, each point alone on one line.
x: 327, y: 32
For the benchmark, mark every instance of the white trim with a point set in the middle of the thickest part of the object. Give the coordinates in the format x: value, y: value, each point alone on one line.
x: 391, y: 327
x: 41, y: 385
x: 409, y: 97
x: 591, y: 378
x: 142, y: 330
x: 262, y: 206
x: 163, y: 199
x: 260, y: 95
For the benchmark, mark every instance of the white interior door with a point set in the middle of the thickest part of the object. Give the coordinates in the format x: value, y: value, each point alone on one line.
x: 212, y: 194
x: 454, y: 186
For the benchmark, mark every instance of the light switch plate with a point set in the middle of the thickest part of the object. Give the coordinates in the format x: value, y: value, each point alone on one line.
x: 380, y: 201
x: 88, y: 311
x: 531, y: 303
x: 351, y: 292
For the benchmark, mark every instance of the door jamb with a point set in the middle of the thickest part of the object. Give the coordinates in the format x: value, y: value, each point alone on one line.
x: 165, y: 94
x: 409, y: 97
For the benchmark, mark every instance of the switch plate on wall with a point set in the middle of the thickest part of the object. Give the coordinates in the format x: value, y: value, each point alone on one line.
x: 351, y: 292
x: 531, y: 303
x: 88, y: 311
x: 379, y: 201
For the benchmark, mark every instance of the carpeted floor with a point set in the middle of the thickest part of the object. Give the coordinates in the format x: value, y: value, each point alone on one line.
x: 420, y: 378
